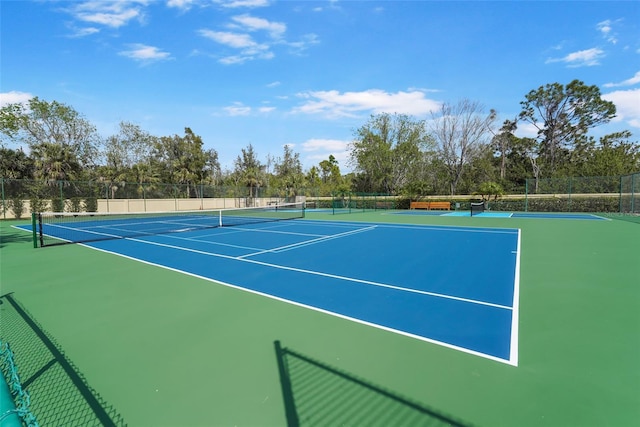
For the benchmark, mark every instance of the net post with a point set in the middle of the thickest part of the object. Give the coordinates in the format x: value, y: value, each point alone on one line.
x: 33, y: 230
x: 220, y: 218
x: 40, y: 229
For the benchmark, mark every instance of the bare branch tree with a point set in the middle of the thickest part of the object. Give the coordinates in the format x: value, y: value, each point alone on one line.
x: 459, y: 131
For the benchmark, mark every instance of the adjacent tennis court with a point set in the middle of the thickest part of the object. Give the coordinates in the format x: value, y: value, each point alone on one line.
x: 465, y: 320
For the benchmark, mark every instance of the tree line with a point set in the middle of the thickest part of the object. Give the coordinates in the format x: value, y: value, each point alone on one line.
x: 458, y: 149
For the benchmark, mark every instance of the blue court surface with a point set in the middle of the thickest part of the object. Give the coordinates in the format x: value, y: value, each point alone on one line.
x: 454, y: 286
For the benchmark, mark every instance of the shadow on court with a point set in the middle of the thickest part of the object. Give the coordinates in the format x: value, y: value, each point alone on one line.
x: 318, y: 394
x: 59, y: 394
x: 11, y: 235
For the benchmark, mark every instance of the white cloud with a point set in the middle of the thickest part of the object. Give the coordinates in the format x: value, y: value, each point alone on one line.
x: 112, y: 14
x: 304, y: 43
x: 143, y: 53
x: 83, y: 32
x: 629, y: 82
x: 317, y: 150
x: 181, y: 4
x: 325, y: 145
x: 274, y: 84
x: 606, y: 29
x: 581, y: 58
x: 254, y: 37
x: 252, y: 23
x: 348, y: 104
x: 249, y: 49
x: 527, y: 130
x: 234, y: 40
x: 627, y: 105
x: 238, y: 109
x: 242, y: 3
x: 14, y: 97
x: 234, y: 59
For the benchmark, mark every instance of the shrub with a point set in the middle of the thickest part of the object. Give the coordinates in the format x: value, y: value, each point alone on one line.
x: 490, y: 191
x: 74, y: 204
x: 91, y: 204
x: 57, y: 204
x: 16, y: 204
x: 38, y: 204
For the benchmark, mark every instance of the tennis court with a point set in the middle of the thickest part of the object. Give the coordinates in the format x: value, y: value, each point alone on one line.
x: 469, y: 321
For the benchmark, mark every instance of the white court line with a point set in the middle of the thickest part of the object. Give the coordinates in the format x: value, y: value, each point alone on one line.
x: 209, y: 242
x: 309, y: 242
x: 332, y: 276
x: 311, y: 307
x: 270, y: 230
x: 513, y: 356
x: 418, y: 227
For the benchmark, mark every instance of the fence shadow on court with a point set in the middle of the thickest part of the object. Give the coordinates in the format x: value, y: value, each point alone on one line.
x: 59, y: 393
x: 11, y: 235
x: 318, y: 394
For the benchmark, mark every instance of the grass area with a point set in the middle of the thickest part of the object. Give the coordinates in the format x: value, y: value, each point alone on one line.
x: 169, y: 349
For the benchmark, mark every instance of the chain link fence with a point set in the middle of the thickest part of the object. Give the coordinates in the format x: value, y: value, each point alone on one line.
x: 609, y: 194
x: 21, y: 197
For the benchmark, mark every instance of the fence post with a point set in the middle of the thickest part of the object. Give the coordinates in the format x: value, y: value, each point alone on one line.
x: 620, y: 197
x: 526, y: 195
x: 60, y: 186
x: 633, y: 195
x: 570, y: 182
x: 4, y: 205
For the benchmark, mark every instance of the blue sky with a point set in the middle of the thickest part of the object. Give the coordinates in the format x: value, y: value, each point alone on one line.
x: 308, y: 73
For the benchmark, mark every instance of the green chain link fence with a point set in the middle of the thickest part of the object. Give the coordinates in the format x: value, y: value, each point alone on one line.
x: 21, y: 197
x: 609, y: 194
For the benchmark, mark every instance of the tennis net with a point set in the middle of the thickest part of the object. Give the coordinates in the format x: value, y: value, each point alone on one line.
x: 55, y: 228
x: 477, y: 208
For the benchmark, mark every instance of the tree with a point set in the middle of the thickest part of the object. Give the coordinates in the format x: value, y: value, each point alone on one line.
x: 613, y: 155
x: 15, y: 164
x: 563, y: 115
x: 212, y: 166
x: 387, y: 152
x: 460, y: 131
x: 249, y: 170
x: 502, y: 143
x: 289, y: 171
x: 52, y: 127
x: 181, y: 160
x: 313, y: 179
x: 55, y: 162
x: 329, y: 168
x: 128, y: 155
x: 490, y: 190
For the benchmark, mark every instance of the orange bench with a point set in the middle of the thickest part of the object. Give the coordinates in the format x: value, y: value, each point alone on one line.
x: 431, y: 205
